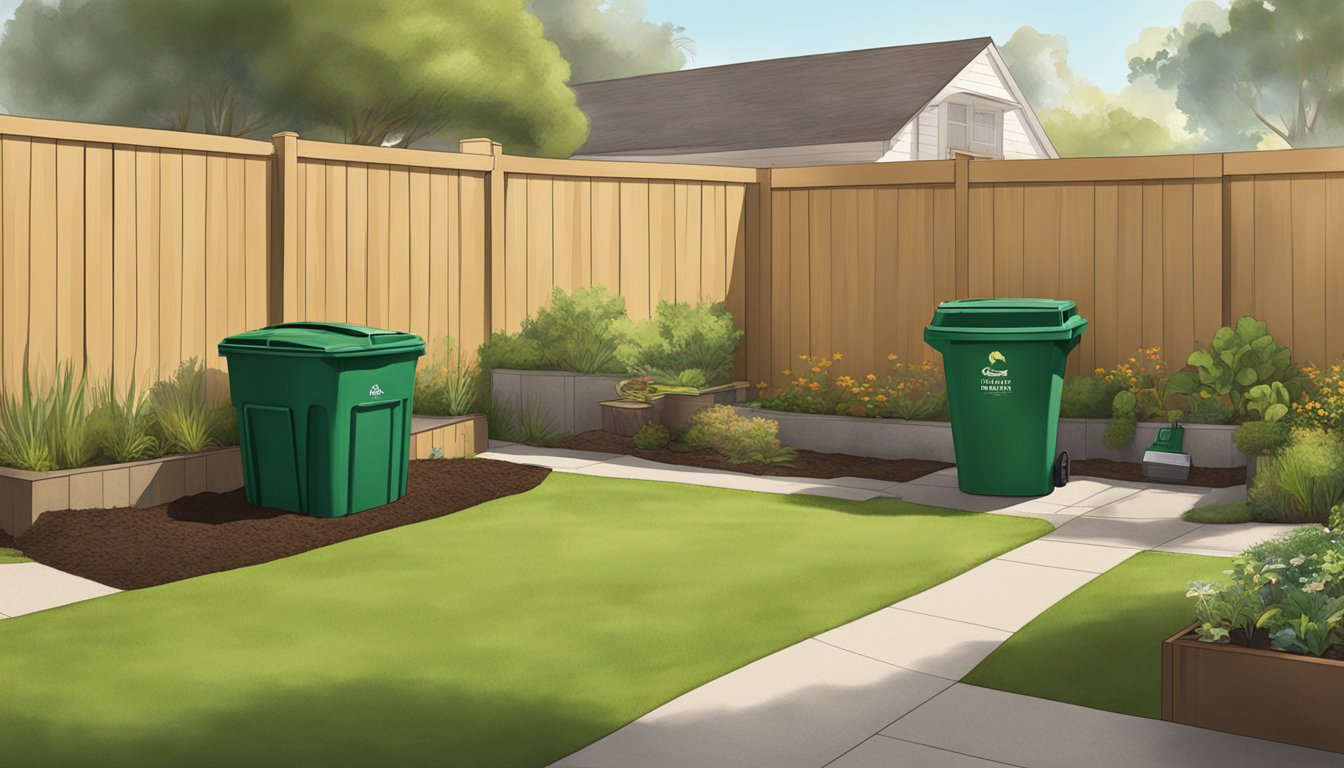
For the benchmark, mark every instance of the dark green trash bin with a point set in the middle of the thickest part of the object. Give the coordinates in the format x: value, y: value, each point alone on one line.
x: 324, y: 414
x: 1004, y: 363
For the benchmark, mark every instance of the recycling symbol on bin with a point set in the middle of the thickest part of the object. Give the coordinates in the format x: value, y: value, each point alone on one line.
x: 375, y: 391
x: 998, y: 365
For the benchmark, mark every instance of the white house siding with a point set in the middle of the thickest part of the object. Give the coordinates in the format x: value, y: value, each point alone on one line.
x: 1017, y: 143
x: 773, y: 157
x: 927, y: 146
x: 978, y: 77
x: 902, y: 146
x: 981, y: 77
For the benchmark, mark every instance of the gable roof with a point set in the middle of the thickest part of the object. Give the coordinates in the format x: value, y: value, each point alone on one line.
x: 828, y: 98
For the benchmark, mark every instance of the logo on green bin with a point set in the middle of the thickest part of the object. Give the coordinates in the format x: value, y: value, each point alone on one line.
x: 375, y: 391
x: 994, y: 377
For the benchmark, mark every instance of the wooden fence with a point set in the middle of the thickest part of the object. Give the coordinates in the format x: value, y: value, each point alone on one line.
x: 127, y: 250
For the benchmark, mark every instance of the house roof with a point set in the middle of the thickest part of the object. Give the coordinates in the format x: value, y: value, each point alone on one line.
x: 828, y: 98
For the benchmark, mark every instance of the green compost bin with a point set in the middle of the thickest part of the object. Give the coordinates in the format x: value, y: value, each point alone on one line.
x: 324, y: 414
x: 1004, y: 364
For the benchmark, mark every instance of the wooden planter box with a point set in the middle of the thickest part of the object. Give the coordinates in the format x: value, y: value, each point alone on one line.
x: 24, y: 496
x: 1266, y: 694
x: 678, y: 409
x: 626, y: 417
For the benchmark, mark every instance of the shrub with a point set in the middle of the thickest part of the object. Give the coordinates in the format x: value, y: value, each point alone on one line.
x: 1142, y: 395
x: 1236, y: 361
x: 907, y: 391
x: 1302, y: 481
x: 681, y: 345
x: 182, y: 421
x: 534, y: 427
x: 1286, y: 594
x: 573, y: 333
x: 653, y: 436
x: 1322, y: 406
x: 1120, y: 431
x: 1258, y: 438
x: 1208, y: 410
x: 739, y: 438
x: 42, y: 431
x: 1088, y: 397
x: 445, y: 387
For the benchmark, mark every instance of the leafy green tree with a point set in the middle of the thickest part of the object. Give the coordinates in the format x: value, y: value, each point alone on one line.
x: 1113, y: 131
x: 606, y: 39
x: 390, y: 72
x: 1274, y: 68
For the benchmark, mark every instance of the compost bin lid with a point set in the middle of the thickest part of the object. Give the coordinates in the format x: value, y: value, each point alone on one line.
x: 326, y: 339
x: 998, y: 318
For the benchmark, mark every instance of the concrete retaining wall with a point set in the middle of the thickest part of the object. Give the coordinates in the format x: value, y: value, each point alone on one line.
x: 568, y: 400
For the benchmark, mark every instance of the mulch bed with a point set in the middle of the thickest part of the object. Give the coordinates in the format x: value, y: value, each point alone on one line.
x: 7, y: 541
x: 1207, y: 477
x: 808, y: 463
x: 211, y: 532
x: 829, y: 465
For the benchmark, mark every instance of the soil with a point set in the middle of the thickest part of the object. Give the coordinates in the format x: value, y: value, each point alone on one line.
x: 211, y: 532
x: 7, y: 541
x: 1207, y: 477
x: 808, y: 463
x: 829, y: 465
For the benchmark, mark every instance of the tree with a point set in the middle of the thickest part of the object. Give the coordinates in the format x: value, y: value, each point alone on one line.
x: 1113, y: 131
x: 389, y: 72
x: 1275, y: 68
x: 606, y: 39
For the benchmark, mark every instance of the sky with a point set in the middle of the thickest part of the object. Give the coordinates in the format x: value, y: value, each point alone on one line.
x: 729, y: 31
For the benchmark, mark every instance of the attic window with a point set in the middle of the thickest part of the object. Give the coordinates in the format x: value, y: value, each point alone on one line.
x: 973, y: 126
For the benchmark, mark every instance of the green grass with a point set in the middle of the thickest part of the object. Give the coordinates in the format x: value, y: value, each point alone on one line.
x: 8, y: 555
x: 1101, y: 646
x: 1220, y: 512
x: 509, y: 634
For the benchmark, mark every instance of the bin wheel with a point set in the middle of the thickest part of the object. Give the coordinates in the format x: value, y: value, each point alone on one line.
x: 1061, y: 470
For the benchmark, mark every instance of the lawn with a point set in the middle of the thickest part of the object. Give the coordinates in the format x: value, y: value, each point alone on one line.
x: 8, y: 555
x: 509, y: 634
x: 1101, y: 646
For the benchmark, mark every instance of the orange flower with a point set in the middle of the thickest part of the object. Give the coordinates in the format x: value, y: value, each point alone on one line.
x: 854, y: 390
x: 871, y: 377
x: 881, y: 398
x: 815, y: 369
x: 761, y: 385
x: 814, y: 386
x: 892, y: 357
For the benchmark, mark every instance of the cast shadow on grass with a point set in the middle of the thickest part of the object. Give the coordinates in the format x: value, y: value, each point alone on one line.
x: 406, y: 723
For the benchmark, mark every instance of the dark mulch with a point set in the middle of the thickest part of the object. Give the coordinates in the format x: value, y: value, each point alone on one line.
x: 827, y: 465
x: 7, y: 541
x: 1208, y: 477
x: 808, y: 463
x: 210, y: 532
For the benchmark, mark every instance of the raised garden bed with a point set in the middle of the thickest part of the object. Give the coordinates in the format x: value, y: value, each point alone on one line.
x: 25, y: 496
x: 568, y: 401
x: 1220, y: 686
x: 130, y: 548
x: 1208, y: 445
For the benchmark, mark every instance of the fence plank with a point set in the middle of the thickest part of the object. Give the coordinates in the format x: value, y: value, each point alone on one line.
x: 606, y: 218
x: 123, y: 266
x: 563, y: 231
x: 399, y: 249
x: 634, y: 244
x: 442, y: 278
x: 1334, y: 270
x: 315, y: 253
x: 781, y: 351
x: 377, y: 282
x: 688, y: 242
x: 1129, y: 281
x: 713, y: 275
x: 257, y: 198
x: 69, y: 262
x: 1041, y: 223
x: 800, y: 276
x: 474, y: 271
x: 170, y: 260
x: 1152, y: 304
x: 865, y: 291
x: 419, y: 253
x: 1208, y: 274
x: 844, y: 274
x: 357, y: 214
x: 1178, y: 307
x: 1077, y: 264
x: 662, y: 242
x: 819, y: 264
x: 887, y: 284
x: 335, y: 231
x: 981, y: 256
x: 1008, y: 242
x: 1106, y: 272
x: 147, y: 265
x: 216, y: 272
x: 193, y: 256
x: 237, y: 285
x: 1274, y: 254
x: 1308, y: 267
x: 540, y: 254
x: 98, y: 330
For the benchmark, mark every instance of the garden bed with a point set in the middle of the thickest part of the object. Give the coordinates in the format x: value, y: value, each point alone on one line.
x: 1206, y: 477
x: 130, y: 548
x: 807, y: 464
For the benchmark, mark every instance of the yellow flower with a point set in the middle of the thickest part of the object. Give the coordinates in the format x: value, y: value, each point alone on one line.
x: 871, y: 377
x: 892, y: 357
x: 787, y: 372
x: 802, y: 357
x: 881, y: 398
x: 838, y: 356
x: 761, y: 385
x: 855, y: 390
x: 1204, y: 393
x: 1100, y: 370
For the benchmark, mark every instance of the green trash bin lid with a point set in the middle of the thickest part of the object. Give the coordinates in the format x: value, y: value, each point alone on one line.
x: 321, y: 340
x: 1006, y: 319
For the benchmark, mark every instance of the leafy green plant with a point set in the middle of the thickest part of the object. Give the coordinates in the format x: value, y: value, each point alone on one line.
x: 120, y: 425
x: 1258, y: 438
x: 653, y: 436
x: 1237, y: 360
x: 573, y: 333
x: 1302, y: 481
x: 534, y: 427
x: 23, y: 425
x: 45, y: 430
x: 182, y: 420
x: 1088, y: 397
x: 1207, y: 410
x: 639, y: 389
x: 1120, y: 429
x: 681, y: 345
x: 1270, y: 400
x: 739, y: 438
x: 445, y: 387
x: 67, y: 430
x: 511, y: 351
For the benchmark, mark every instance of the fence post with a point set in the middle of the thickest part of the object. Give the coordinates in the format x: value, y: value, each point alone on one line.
x: 961, y: 223
x: 283, y: 294
x: 494, y: 229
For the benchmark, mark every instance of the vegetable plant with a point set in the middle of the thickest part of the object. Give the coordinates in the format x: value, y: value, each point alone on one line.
x: 739, y: 438
x: 1237, y: 360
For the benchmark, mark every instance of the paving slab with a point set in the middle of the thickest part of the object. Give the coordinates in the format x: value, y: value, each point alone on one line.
x: 30, y: 587
x: 865, y: 483
x: 929, y: 644
x: 1225, y: 540
x: 1149, y: 504
x: 835, y: 491
x: 499, y: 443
x: 951, y: 498
x: 1025, y: 731
x: 998, y: 594
x: 885, y: 752
x: 553, y: 458
x: 1216, y: 495
x: 1077, y: 492
x: 633, y: 468
x: 1067, y: 554
x: 947, y: 478
x: 803, y: 706
x: 1114, y: 532
x: 1114, y: 493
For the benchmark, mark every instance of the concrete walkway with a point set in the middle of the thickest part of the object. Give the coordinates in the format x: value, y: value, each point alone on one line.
x: 883, y: 690
x: 30, y: 587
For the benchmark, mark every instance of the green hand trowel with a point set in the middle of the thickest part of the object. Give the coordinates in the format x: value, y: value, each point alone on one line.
x: 1163, y: 461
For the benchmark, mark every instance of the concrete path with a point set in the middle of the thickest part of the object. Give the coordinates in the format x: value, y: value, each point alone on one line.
x: 883, y: 690
x: 30, y: 587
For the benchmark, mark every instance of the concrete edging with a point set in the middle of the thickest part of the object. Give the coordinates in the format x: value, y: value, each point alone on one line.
x: 1209, y: 445
x: 25, y: 496
x: 569, y: 401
